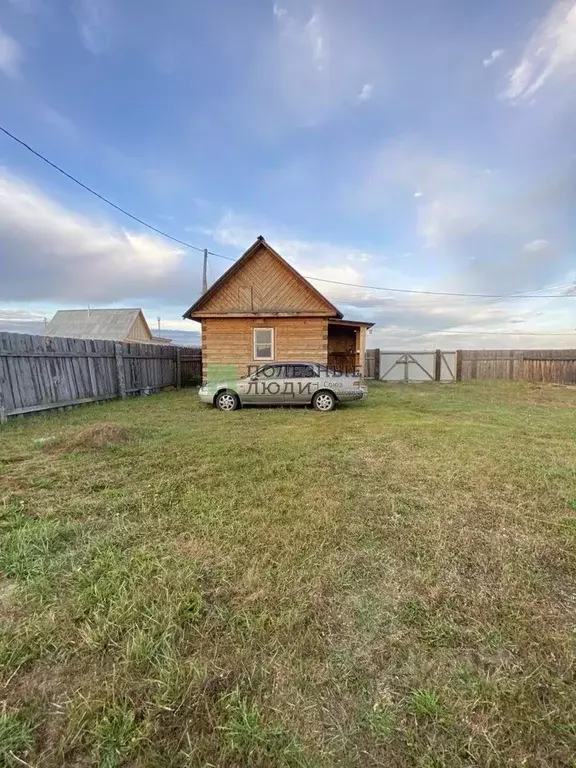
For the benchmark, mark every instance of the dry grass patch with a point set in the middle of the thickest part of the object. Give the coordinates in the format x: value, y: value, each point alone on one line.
x: 89, y: 438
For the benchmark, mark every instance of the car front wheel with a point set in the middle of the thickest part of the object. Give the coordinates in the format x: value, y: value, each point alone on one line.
x: 227, y: 401
x: 324, y: 401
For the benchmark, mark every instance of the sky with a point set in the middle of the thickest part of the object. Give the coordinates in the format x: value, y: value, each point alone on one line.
x: 428, y: 145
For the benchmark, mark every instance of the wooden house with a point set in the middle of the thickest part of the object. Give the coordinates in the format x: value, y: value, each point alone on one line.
x: 262, y: 310
x: 107, y: 324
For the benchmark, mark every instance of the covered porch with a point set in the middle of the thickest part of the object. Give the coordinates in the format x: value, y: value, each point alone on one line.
x: 347, y: 345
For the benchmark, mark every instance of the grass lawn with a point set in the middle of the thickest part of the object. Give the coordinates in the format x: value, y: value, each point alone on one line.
x: 391, y: 584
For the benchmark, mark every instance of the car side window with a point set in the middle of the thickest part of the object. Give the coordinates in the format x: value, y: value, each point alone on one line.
x: 300, y: 372
x: 270, y: 372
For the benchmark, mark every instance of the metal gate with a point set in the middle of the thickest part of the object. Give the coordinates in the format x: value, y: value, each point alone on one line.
x: 418, y: 366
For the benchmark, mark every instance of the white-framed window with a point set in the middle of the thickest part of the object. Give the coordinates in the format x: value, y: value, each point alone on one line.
x: 263, y: 343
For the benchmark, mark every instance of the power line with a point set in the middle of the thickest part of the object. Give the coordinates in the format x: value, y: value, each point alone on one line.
x: 446, y: 293
x: 168, y: 236
x: 97, y: 194
x: 480, y: 333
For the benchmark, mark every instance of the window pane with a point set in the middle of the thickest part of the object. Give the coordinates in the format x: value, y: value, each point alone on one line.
x: 300, y: 371
x: 263, y: 352
x: 263, y: 335
x: 271, y: 372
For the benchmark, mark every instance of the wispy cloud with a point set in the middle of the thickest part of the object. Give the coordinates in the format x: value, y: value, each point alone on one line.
x: 10, y: 55
x: 94, y: 21
x: 279, y: 11
x: 479, y: 230
x: 318, y: 63
x: 536, y: 246
x: 550, y: 53
x: 494, y: 56
x: 366, y: 93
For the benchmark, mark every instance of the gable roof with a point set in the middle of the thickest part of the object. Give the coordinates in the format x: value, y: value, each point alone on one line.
x: 260, y: 242
x: 106, y: 324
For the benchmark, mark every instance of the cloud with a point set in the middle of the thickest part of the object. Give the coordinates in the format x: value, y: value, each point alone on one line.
x: 22, y: 321
x: 366, y: 93
x: 405, y: 321
x: 315, y: 40
x: 317, y: 62
x: 10, y: 55
x: 550, y: 54
x: 54, y: 254
x: 94, y: 20
x: 324, y: 260
x: 536, y: 246
x: 492, y: 58
x: 418, y: 194
x: 473, y: 227
x: 278, y: 11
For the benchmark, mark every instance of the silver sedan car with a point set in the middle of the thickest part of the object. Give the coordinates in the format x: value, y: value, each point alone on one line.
x: 289, y: 383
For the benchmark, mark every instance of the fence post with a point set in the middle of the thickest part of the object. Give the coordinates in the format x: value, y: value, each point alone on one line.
x: 178, y: 369
x: 120, y: 373
x: 438, y: 365
x: 377, y: 364
x: 458, y: 365
x: 3, y: 412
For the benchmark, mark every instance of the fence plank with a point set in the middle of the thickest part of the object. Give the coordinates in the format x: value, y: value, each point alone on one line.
x: 3, y: 411
x: 120, y: 369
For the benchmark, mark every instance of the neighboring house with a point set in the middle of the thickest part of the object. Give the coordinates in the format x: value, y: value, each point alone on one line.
x: 108, y: 324
x: 262, y: 310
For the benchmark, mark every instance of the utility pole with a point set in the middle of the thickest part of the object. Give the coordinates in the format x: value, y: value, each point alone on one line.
x: 204, y: 266
x: 158, y: 318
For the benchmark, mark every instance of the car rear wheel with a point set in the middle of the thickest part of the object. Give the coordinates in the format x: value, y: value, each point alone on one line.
x: 227, y: 401
x: 324, y: 401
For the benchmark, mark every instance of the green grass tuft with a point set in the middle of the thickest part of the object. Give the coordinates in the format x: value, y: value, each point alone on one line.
x: 426, y: 704
x: 16, y: 738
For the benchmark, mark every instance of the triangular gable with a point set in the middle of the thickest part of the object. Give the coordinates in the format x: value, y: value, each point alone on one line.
x: 138, y: 327
x: 261, y: 281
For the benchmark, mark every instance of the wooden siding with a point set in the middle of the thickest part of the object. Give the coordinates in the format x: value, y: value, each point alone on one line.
x: 264, y: 284
x: 228, y: 341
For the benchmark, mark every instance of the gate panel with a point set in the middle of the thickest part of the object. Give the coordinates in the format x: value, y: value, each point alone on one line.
x: 416, y: 366
x: 392, y: 366
x: 421, y: 366
x: 448, y: 369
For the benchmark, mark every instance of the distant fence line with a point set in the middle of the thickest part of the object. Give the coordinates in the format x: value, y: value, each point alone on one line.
x: 39, y: 373
x: 539, y: 365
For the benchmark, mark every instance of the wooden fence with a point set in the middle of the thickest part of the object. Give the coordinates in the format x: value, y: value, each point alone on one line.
x: 38, y: 373
x: 544, y: 365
